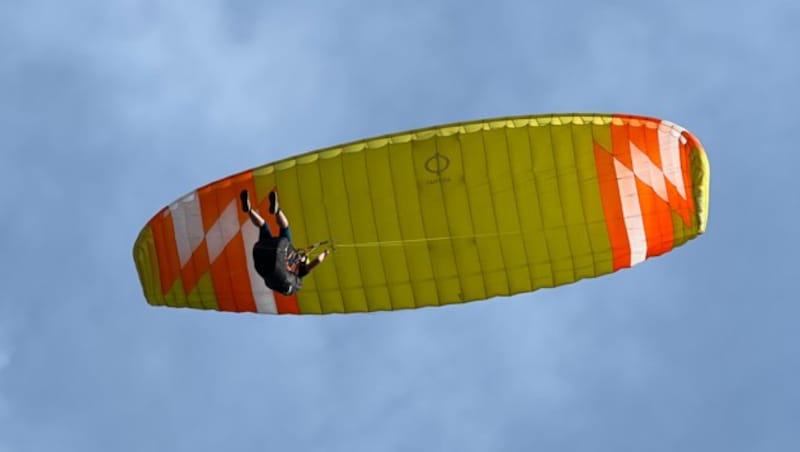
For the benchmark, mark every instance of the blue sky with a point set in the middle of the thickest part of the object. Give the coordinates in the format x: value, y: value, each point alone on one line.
x: 110, y: 110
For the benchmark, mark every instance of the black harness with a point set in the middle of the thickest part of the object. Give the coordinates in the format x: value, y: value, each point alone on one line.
x: 277, y: 261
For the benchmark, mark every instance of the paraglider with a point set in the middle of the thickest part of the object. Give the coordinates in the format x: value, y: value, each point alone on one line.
x: 275, y: 258
x: 434, y: 216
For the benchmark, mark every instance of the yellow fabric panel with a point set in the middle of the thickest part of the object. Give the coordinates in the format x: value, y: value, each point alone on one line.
x: 547, y: 188
x: 324, y: 284
x: 432, y: 213
x: 570, y: 200
x: 176, y: 297
x: 337, y: 207
x: 701, y: 177
x: 199, y: 297
x: 264, y: 179
x: 504, y: 212
x: 147, y: 267
x: 487, y: 242
x: 681, y: 231
x: 529, y: 208
x: 412, y: 231
x: 464, y: 269
x: 370, y: 265
x: 599, y: 255
x: 399, y: 293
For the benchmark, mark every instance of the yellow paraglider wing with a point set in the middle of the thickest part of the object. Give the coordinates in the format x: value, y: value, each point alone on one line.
x: 437, y: 216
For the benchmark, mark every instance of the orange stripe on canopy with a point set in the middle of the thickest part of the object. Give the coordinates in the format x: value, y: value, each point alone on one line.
x: 655, y: 210
x: 286, y: 304
x: 166, y: 249
x: 234, y: 254
x: 211, y: 210
x: 612, y: 208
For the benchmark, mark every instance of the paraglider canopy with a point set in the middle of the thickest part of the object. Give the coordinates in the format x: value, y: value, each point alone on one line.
x: 438, y: 216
